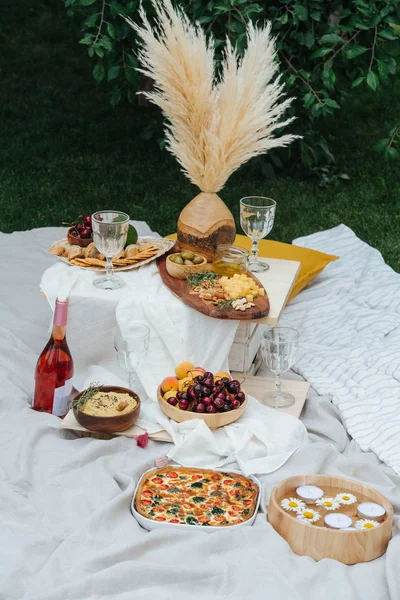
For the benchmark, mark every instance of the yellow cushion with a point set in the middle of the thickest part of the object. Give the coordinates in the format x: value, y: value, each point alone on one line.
x: 311, y: 261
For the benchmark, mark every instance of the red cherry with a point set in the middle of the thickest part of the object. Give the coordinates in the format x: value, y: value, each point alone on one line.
x: 192, y: 394
x: 183, y: 404
x: 173, y: 401
x: 235, y: 403
x: 86, y: 233
x: 87, y: 220
x: 219, y: 402
x: 207, y: 400
x: 240, y: 396
x: 200, y: 407
x: 211, y: 409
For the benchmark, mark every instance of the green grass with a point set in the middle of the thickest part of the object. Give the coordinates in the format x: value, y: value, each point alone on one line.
x: 64, y: 151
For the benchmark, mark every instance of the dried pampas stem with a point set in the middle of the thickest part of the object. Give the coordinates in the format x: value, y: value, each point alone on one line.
x: 212, y: 126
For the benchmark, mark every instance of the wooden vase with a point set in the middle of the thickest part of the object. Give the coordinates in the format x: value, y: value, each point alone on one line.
x: 205, y: 223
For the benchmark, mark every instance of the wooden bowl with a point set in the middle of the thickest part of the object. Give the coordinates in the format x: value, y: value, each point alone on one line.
x: 214, y: 421
x: 183, y: 271
x: 75, y: 241
x: 109, y: 424
x: 318, y: 541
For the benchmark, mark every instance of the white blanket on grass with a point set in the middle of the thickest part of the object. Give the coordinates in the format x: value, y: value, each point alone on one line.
x: 65, y: 528
x: 349, y: 324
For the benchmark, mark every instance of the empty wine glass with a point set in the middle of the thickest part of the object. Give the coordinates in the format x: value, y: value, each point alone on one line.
x: 257, y: 215
x: 110, y: 230
x: 131, y: 349
x: 278, y: 347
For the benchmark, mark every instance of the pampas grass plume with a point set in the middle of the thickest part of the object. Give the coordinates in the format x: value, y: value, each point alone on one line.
x: 212, y: 127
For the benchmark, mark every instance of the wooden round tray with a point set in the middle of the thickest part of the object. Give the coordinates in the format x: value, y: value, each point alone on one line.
x: 318, y: 541
x: 214, y: 421
x: 162, y: 244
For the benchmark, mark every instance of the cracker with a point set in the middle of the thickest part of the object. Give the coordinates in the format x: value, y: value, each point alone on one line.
x: 78, y: 262
x: 95, y: 262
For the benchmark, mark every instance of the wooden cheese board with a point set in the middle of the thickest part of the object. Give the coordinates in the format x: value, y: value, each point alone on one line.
x: 182, y: 290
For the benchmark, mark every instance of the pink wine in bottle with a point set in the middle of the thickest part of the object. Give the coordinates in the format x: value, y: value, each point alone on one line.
x: 55, y: 367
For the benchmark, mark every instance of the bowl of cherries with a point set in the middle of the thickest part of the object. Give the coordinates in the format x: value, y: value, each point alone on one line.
x: 218, y: 401
x: 81, y: 234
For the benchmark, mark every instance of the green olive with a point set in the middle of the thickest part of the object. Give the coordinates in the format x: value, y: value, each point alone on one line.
x: 197, y: 260
x: 187, y: 255
x: 188, y: 263
x: 178, y: 260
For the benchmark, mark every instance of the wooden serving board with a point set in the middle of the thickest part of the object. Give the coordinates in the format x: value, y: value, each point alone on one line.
x: 182, y: 290
x: 317, y: 540
x: 257, y: 386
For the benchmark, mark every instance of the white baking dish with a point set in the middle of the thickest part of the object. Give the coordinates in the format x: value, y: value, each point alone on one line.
x: 150, y: 524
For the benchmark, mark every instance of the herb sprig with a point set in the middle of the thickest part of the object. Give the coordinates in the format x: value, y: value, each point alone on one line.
x: 196, y: 279
x: 87, y: 394
x: 223, y: 303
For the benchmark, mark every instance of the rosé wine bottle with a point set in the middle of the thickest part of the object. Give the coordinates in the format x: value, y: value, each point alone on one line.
x: 55, y: 368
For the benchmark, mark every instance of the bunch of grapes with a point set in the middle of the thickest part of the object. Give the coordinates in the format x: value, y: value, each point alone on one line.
x: 83, y: 229
x: 205, y: 395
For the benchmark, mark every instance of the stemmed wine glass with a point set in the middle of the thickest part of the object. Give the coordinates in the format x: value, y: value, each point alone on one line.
x: 131, y: 348
x: 110, y: 230
x: 257, y: 215
x: 278, y: 347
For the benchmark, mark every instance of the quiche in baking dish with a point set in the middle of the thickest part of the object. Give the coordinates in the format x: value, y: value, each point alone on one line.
x: 191, y: 496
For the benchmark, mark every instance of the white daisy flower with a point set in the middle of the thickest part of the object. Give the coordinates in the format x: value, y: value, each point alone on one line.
x: 328, y: 503
x: 345, y: 498
x: 308, y: 515
x: 366, y: 524
x: 293, y: 504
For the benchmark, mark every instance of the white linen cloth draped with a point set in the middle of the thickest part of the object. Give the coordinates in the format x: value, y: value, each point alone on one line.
x: 261, y: 441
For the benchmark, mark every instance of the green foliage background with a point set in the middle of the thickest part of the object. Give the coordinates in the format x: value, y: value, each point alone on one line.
x: 65, y: 151
x: 327, y: 50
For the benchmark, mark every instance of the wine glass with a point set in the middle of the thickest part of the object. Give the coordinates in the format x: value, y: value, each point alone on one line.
x: 131, y: 348
x: 278, y: 347
x: 110, y: 230
x: 257, y: 215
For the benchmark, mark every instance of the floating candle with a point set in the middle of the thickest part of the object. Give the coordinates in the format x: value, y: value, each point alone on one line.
x: 309, y: 493
x: 338, y: 521
x: 371, y: 510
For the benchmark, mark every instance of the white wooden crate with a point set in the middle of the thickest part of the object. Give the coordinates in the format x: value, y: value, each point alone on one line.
x: 244, y: 350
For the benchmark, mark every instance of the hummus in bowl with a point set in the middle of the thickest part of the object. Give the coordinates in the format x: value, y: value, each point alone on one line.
x: 109, y: 404
x: 107, y: 409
